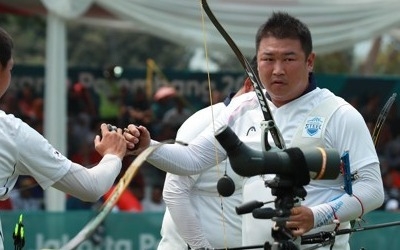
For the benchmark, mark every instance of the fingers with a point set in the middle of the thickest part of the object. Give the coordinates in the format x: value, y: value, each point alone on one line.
x: 133, y: 130
x: 297, y: 231
x: 131, y: 135
x: 301, y: 220
x: 136, y: 137
x: 108, y: 128
x: 111, y: 141
x: 295, y: 211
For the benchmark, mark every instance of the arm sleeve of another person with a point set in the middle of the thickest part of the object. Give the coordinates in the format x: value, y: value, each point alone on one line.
x: 90, y: 184
x: 177, y: 189
x: 195, y: 158
x: 176, y: 194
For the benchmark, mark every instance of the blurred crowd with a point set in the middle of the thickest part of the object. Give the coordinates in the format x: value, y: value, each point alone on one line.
x: 162, y: 114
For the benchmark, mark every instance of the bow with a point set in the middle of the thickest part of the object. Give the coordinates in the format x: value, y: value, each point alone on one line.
x: 382, y: 117
x: 106, y: 208
x: 268, y: 124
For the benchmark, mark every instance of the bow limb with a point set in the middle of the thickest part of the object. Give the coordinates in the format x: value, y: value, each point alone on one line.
x: 106, y: 208
x: 381, y: 118
x: 269, y: 123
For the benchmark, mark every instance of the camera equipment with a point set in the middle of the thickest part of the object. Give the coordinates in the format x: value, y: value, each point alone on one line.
x: 294, y: 167
x: 301, y: 164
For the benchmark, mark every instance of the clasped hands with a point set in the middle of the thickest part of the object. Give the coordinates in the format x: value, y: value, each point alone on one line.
x: 137, y: 138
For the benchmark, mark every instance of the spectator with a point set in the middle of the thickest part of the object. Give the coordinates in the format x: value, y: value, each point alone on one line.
x: 73, y: 203
x: 136, y: 111
x: 81, y: 100
x: 177, y: 115
x: 173, y: 119
x: 155, y: 202
x: 24, y: 198
x: 392, y: 154
x: 132, y: 197
x: 392, y: 194
x: 127, y: 202
x: 6, y: 204
x: 29, y: 104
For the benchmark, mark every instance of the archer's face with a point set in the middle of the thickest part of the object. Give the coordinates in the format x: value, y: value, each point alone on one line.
x: 5, y: 76
x: 283, y: 68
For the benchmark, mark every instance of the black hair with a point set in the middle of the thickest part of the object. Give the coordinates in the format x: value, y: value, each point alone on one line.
x: 281, y: 25
x: 253, y: 65
x: 6, y: 46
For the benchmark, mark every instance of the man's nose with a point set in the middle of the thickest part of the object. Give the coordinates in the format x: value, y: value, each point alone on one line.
x: 278, y: 68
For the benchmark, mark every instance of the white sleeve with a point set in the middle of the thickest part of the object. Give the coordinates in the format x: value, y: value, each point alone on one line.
x: 201, y: 154
x: 177, y: 189
x: 198, y: 122
x: 352, y: 134
x: 366, y: 197
x: 89, y: 184
x: 176, y: 194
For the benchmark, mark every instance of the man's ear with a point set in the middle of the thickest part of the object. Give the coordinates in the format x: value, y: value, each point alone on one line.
x: 248, y: 85
x: 310, y: 62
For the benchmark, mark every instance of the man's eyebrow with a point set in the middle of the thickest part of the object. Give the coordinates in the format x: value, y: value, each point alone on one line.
x: 289, y: 53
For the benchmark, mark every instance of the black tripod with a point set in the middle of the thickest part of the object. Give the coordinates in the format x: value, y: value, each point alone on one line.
x: 287, y: 196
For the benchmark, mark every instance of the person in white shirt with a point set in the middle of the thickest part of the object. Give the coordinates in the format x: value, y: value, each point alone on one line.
x: 26, y: 152
x: 194, y: 216
x: 307, y: 116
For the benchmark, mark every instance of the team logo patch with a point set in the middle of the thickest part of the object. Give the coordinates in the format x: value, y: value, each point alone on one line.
x: 313, y: 127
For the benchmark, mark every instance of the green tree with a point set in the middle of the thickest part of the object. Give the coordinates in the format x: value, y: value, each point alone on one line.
x: 340, y: 62
x: 29, y: 35
x: 98, y: 47
x: 92, y: 46
x: 388, y: 60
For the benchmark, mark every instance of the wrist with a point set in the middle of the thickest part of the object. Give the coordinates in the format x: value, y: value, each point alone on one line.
x: 323, y: 215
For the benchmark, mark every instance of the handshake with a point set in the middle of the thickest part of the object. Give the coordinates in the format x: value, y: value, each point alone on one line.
x: 131, y: 137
